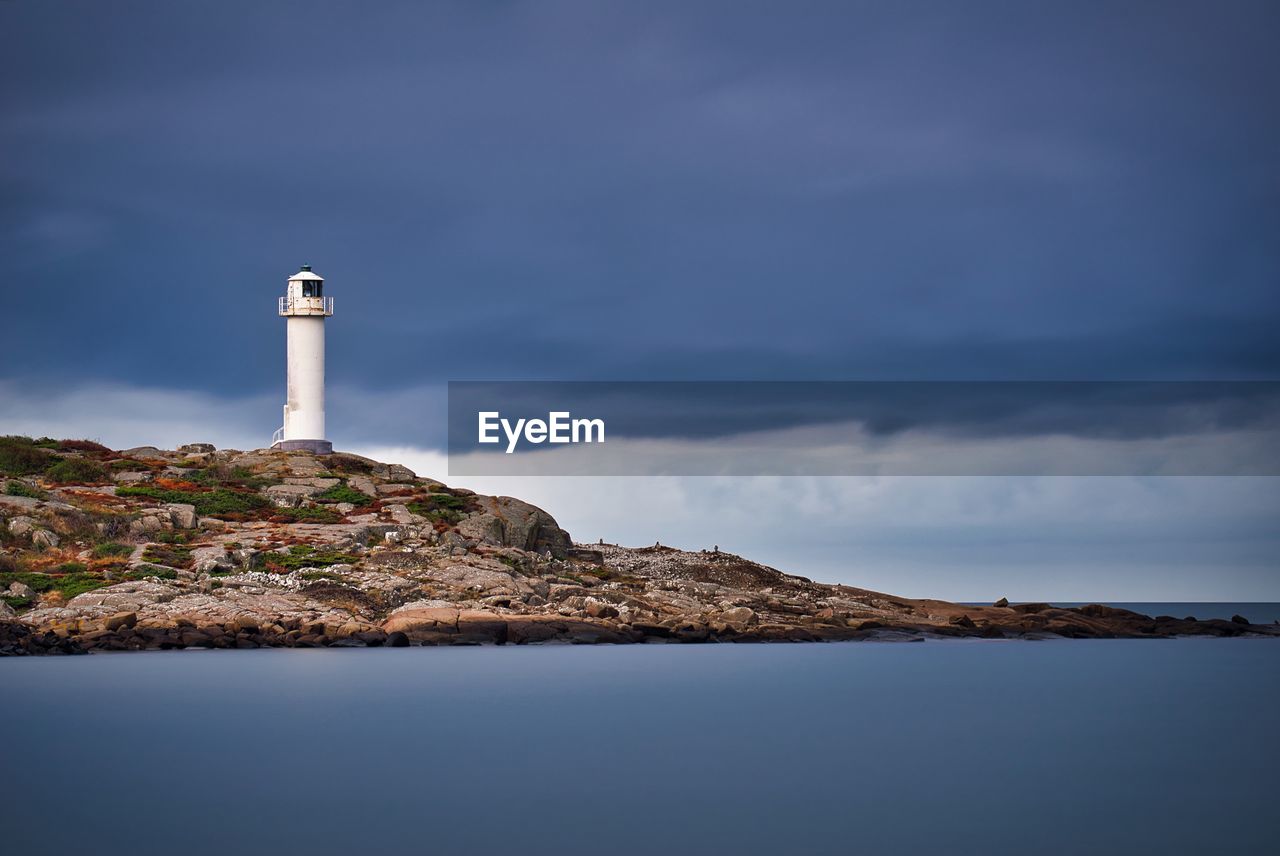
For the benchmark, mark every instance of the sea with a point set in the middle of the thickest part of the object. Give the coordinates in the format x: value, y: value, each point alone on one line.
x: 956, y: 746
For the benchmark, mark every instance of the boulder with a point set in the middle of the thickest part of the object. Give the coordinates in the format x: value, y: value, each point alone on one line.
x: 290, y: 495
x: 400, y: 514
x: 1002, y: 602
x: 415, y: 620
x: 739, y: 618
x: 1239, y: 619
x: 182, y: 515
x: 121, y: 619
x: 43, y: 538
x: 17, y: 589
x: 198, y: 448
x: 22, y: 526
x: 508, y: 522
x: 208, y: 559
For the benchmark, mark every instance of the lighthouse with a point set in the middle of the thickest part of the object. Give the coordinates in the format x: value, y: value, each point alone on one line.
x: 304, y: 308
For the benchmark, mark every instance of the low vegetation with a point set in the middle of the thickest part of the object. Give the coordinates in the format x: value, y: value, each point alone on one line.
x: 18, y: 488
x: 224, y: 503
x: 306, y: 556
x: 441, y: 507
x: 344, y: 493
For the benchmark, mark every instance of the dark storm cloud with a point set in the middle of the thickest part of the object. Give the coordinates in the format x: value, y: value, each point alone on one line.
x: 650, y: 191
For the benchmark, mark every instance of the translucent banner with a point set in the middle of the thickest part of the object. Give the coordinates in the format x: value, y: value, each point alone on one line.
x: 864, y: 428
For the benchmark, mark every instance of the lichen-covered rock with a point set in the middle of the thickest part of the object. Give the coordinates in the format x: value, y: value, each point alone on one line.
x: 505, y: 521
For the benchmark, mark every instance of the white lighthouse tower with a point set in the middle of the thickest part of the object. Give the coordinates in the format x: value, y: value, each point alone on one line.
x: 305, y: 307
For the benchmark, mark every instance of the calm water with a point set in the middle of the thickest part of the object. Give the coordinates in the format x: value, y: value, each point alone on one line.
x: 971, y: 746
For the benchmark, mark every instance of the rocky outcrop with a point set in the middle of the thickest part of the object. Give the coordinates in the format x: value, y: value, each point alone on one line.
x: 223, y: 549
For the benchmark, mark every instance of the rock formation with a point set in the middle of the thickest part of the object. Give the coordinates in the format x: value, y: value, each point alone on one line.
x: 147, y: 549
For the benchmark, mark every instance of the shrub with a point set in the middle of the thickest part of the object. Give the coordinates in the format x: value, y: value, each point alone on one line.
x: 19, y: 456
x: 110, y: 549
x: 17, y: 488
x: 77, y: 471
x: 81, y: 446
x: 343, y: 493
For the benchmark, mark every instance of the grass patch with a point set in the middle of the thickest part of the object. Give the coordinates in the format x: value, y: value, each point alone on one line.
x: 112, y: 549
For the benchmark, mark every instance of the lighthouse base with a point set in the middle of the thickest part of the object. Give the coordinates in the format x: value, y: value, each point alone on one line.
x: 316, y: 447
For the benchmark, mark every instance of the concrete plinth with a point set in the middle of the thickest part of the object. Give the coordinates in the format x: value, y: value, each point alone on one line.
x: 316, y: 447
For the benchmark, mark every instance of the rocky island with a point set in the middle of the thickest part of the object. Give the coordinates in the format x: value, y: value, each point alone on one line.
x: 141, y: 549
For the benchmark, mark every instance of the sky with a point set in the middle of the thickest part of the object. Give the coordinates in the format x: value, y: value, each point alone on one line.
x: 664, y: 191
